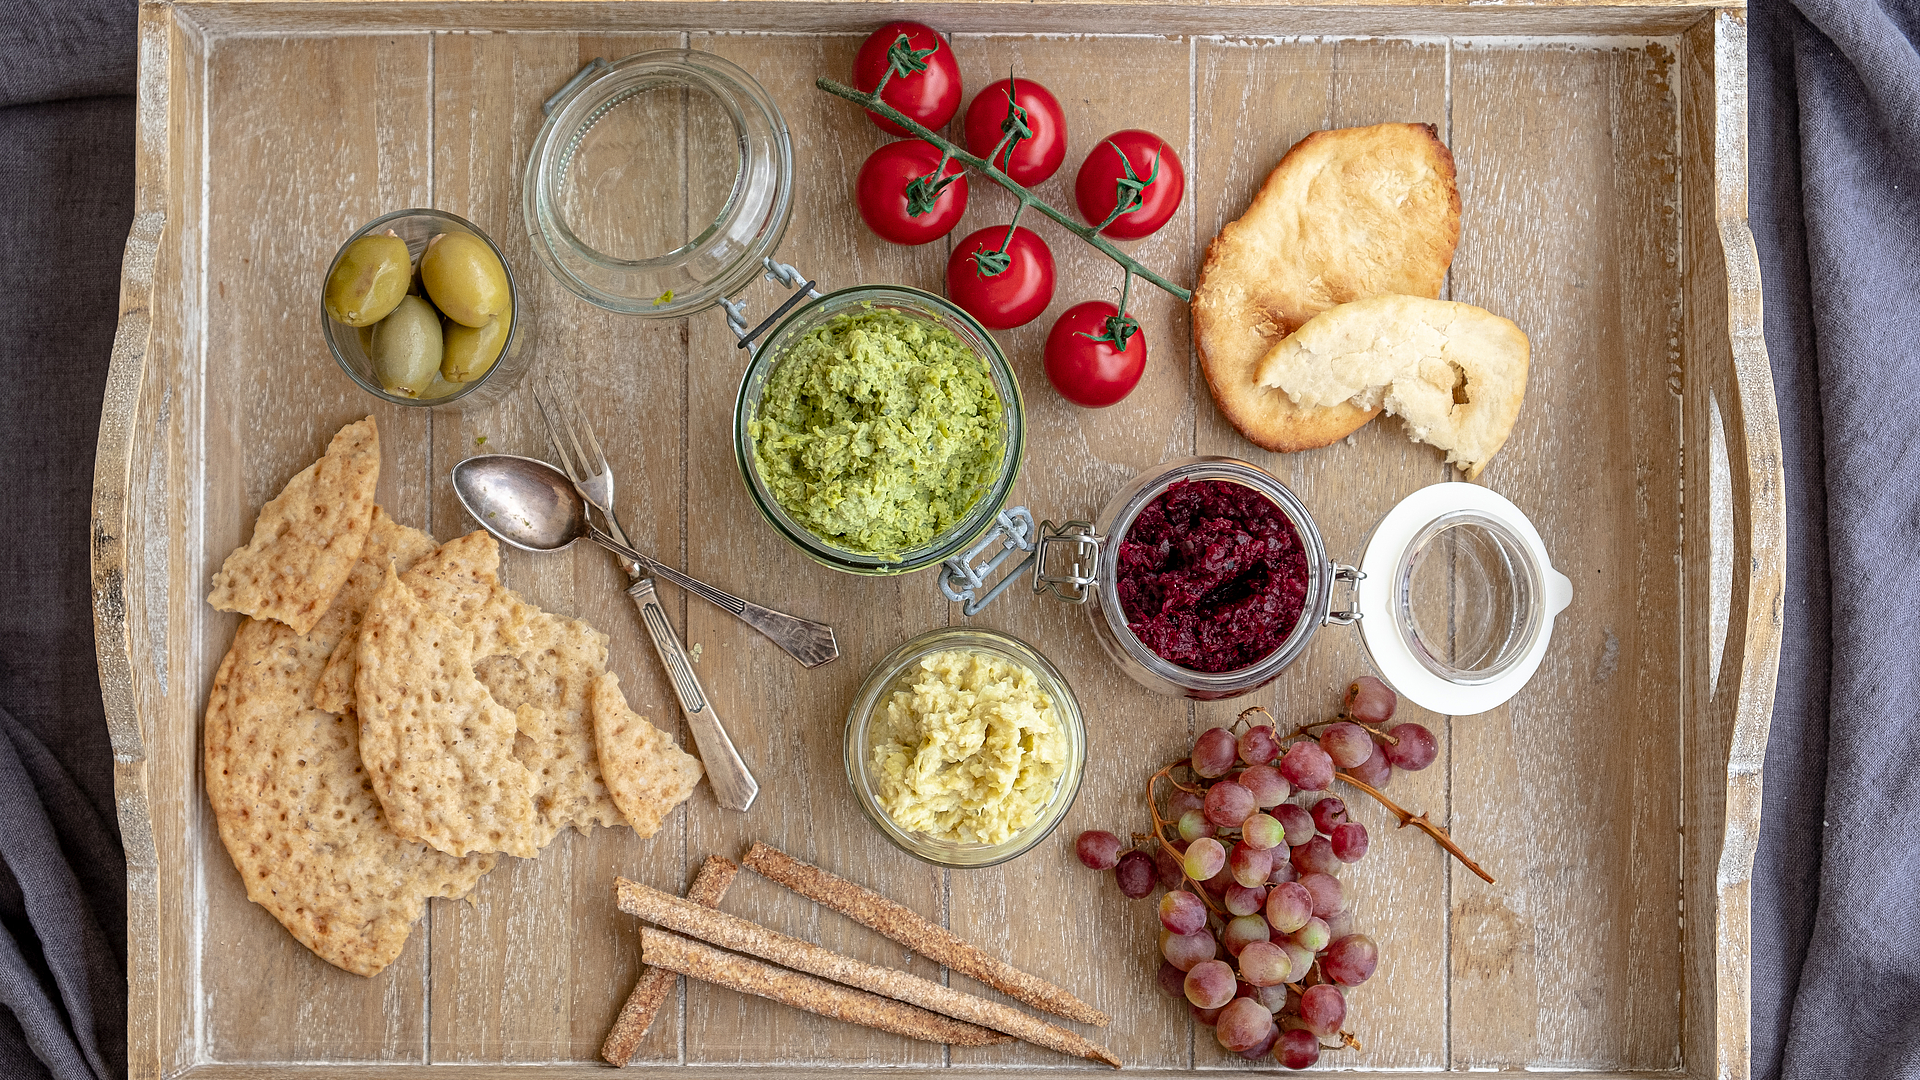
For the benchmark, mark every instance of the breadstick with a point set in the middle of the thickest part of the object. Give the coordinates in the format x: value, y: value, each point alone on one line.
x: 671, y: 952
x: 729, y: 932
x: 905, y: 926
x: 636, y: 1016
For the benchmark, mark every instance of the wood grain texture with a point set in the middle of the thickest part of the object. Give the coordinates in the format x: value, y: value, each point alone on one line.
x: 1604, y: 189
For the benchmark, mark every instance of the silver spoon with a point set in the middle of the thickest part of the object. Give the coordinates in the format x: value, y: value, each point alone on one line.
x: 535, y: 507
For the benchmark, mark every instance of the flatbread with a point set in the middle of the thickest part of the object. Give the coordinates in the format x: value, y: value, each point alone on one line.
x: 295, y: 808
x: 524, y: 657
x: 645, y: 769
x: 437, y: 746
x: 1346, y: 214
x: 1454, y: 373
x: 308, y: 538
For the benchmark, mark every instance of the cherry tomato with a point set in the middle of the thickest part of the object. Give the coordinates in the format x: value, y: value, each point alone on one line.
x: 1013, y: 297
x: 1096, y: 189
x: 1032, y: 160
x: 881, y: 193
x: 930, y: 96
x: 1088, y: 372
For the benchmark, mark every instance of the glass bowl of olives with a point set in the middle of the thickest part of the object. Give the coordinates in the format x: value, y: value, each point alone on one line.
x: 420, y: 308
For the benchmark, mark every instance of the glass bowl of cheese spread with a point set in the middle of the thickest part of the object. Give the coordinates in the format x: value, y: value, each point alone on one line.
x: 965, y: 747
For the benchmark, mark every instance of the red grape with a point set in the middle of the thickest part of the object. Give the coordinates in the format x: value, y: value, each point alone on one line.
x: 1135, y: 874
x: 1315, y: 857
x: 1218, y: 884
x: 1185, y: 950
x: 1264, y: 1046
x: 1166, y: 866
x: 1268, y: 786
x: 1263, y: 963
x: 1243, y: 1024
x: 1182, y: 912
x: 1173, y: 981
x: 1376, y: 771
x: 1205, y: 1016
x: 1263, y: 831
x: 1323, y: 1008
x: 1210, y: 984
x: 1300, y: 957
x: 1098, y: 849
x: 1415, y: 748
x: 1297, y: 1049
x: 1325, y: 890
x: 1349, y: 842
x: 1351, y: 960
x: 1307, y: 767
x: 1289, y: 906
x: 1229, y: 804
x: 1340, y: 924
x: 1312, y: 937
x: 1275, y: 997
x: 1297, y: 822
x: 1370, y: 701
x: 1250, y: 865
x: 1242, y: 931
x: 1282, y: 870
x: 1193, y: 825
x: 1257, y: 746
x: 1329, y: 813
x: 1242, y: 900
x: 1205, y: 858
x: 1347, y: 744
x: 1182, y: 801
x: 1213, y: 752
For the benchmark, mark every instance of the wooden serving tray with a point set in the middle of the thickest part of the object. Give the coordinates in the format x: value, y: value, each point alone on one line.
x: 1602, y: 165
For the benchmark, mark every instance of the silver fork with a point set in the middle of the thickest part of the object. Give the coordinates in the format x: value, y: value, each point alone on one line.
x: 586, y: 465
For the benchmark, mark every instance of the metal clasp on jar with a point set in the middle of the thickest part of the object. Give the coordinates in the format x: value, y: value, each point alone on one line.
x: 1014, y: 530
x: 1350, y: 614
x: 780, y: 274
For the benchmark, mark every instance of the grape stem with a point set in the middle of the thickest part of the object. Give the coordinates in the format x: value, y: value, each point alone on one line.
x: 1160, y: 834
x: 1418, y: 821
x: 872, y: 103
x: 1307, y: 729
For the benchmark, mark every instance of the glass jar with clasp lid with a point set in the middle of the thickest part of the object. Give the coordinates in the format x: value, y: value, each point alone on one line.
x: 1454, y: 597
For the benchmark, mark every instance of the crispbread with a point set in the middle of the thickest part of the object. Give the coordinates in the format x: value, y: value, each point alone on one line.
x: 1455, y: 373
x: 437, y: 746
x: 291, y: 800
x: 1346, y: 214
x: 524, y: 657
x: 645, y: 769
x: 306, y: 540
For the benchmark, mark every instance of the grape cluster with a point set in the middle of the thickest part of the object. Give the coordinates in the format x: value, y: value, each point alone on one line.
x: 1255, y: 932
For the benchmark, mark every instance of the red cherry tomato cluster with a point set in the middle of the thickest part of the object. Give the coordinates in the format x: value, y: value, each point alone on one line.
x: 1128, y: 186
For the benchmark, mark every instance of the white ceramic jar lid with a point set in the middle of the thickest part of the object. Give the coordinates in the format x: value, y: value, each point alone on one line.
x: 1458, y: 599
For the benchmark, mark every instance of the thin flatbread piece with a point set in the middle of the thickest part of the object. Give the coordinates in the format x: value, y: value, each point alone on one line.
x: 308, y: 538
x: 1346, y: 214
x: 294, y: 806
x: 437, y: 746
x: 645, y: 769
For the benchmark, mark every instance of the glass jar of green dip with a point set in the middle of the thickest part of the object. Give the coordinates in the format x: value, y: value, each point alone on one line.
x: 879, y: 429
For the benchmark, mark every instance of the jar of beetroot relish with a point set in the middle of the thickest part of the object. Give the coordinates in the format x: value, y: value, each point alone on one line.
x: 1206, y: 577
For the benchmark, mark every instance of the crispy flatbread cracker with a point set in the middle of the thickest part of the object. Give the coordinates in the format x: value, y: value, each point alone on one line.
x: 1454, y: 373
x: 292, y: 802
x: 308, y: 538
x: 437, y: 746
x: 1346, y: 214
x: 645, y: 769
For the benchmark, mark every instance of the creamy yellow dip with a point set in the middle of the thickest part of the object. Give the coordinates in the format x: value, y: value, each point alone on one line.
x: 970, y: 750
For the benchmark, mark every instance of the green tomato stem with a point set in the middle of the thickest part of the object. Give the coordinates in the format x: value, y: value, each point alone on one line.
x: 1027, y: 198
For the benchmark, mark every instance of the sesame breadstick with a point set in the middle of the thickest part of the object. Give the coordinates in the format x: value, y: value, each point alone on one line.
x: 729, y: 932
x: 902, y: 924
x: 671, y: 952
x: 636, y: 1016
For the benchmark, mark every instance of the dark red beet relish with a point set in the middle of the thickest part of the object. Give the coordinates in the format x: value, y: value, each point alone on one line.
x: 1212, y: 576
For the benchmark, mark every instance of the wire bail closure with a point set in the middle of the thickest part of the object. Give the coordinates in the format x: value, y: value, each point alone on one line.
x: 1014, y: 531
x: 1350, y: 614
x: 780, y: 274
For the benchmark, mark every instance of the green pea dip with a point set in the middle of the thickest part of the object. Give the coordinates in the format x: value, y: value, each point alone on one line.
x: 878, y: 432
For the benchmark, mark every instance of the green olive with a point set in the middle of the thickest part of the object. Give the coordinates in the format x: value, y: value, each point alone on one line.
x: 464, y: 279
x: 369, y: 280
x: 471, y: 351
x: 407, y: 348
